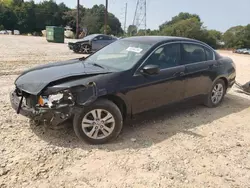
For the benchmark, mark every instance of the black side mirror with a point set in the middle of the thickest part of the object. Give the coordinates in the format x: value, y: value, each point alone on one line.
x: 150, y: 70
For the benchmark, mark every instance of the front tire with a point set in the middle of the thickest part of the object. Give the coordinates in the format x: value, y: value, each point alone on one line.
x: 216, y: 94
x: 76, y: 48
x: 98, y: 123
x: 85, y: 48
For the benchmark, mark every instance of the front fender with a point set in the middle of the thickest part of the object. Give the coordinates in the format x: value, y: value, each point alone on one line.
x: 126, y: 102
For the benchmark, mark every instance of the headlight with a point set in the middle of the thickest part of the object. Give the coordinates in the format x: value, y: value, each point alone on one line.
x: 54, y: 99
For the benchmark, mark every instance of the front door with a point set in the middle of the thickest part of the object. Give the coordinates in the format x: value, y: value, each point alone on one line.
x: 97, y: 43
x: 152, y: 91
x: 199, y: 61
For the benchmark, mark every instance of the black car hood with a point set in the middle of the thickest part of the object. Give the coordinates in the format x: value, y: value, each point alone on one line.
x: 34, y: 80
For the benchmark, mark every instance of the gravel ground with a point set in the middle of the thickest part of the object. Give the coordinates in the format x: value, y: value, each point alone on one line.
x: 190, y: 146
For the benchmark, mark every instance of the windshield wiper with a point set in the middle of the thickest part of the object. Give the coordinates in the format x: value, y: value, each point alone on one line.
x: 82, y: 58
x: 97, y: 65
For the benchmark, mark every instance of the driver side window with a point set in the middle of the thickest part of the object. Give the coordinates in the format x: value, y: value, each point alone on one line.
x: 98, y: 38
x: 166, y: 56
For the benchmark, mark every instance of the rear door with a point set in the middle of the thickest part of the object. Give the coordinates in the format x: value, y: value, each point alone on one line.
x: 199, y: 64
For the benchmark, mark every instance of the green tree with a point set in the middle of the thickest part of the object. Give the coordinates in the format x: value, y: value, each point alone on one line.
x: 115, y: 25
x: 132, y: 30
x: 17, y: 2
x: 153, y: 32
x: 48, y: 13
x: 190, y: 26
x: 215, y: 34
x: 29, y: 17
x: 7, y: 17
x: 25, y: 15
x: 108, y: 30
x: 142, y: 32
x: 93, y: 20
x: 181, y: 16
x: 6, y: 2
x: 247, y: 36
x: 235, y: 37
x: 69, y: 17
x: 184, y: 28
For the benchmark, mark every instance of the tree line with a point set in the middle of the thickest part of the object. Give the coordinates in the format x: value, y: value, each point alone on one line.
x: 31, y: 17
x: 191, y: 26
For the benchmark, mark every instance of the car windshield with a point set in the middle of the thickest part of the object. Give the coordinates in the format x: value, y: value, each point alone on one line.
x: 89, y: 37
x: 119, y: 55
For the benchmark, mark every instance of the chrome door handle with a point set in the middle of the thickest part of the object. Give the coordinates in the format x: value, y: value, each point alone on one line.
x: 179, y: 74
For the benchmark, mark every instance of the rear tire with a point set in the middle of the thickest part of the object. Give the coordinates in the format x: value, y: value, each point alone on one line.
x: 216, y: 94
x: 99, y: 123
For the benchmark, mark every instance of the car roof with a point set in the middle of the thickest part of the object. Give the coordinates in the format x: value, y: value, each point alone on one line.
x: 97, y: 34
x: 152, y: 40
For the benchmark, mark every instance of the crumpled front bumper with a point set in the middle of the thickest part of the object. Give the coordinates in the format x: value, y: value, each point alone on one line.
x: 24, y: 110
x: 50, y: 116
x: 71, y: 46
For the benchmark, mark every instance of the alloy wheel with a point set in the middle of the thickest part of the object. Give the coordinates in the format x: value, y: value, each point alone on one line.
x: 98, y: 124
x: 86, y: 49
x: 217, y: 93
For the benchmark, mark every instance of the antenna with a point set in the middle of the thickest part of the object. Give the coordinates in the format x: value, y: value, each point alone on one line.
x: 140, y: 17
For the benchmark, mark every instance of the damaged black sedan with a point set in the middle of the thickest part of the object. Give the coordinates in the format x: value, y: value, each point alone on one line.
x: 127, y: 77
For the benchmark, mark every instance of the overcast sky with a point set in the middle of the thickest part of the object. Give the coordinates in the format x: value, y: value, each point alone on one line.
x: 216, y: 14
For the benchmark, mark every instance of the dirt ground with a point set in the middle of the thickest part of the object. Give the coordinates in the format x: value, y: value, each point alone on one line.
x: 190, y: 146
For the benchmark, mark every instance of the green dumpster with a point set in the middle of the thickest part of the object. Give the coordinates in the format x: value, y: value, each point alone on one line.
x: 55, y: 34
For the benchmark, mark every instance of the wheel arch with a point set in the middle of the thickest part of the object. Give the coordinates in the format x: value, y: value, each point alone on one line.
x: 224, y: 78
x: 121, y: 102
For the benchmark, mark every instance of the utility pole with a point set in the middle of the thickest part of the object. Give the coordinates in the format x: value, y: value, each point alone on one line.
x: 125, y: 20
x: 77, y: 19
x: 106, y: 17
x: 145, y: 17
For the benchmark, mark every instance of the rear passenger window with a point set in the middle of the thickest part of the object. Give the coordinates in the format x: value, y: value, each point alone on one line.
x: 193, y: 53
x: 209, y: 54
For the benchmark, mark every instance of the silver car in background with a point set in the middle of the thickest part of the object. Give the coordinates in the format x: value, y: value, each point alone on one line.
x: 91, y: 43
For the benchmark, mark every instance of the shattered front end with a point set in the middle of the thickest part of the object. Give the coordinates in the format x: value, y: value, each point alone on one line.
x: 53, y: 106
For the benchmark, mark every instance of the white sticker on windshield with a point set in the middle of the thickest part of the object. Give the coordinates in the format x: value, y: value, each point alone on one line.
x: 133, y: 49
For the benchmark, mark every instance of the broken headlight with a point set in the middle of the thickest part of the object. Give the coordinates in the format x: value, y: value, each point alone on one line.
x: 61, y: 99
